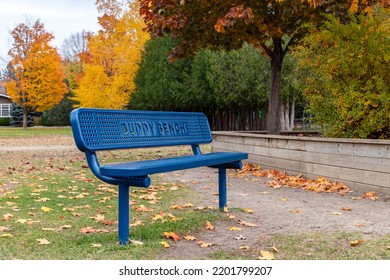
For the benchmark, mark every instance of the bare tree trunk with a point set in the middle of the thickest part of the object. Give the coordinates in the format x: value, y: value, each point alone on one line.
x: 273, y: 118
x: 25, y: 123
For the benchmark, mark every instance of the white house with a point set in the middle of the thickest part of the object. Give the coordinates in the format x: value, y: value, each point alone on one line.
x: 5, y: 102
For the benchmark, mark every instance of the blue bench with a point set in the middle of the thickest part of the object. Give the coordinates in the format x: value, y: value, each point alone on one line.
x: 100, y: 129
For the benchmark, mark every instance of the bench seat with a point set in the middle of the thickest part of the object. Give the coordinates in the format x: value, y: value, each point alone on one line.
x: 142, y: 168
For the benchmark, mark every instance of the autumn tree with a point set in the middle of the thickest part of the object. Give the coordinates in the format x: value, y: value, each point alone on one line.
x: 273, y: 26
x: 346, y: 75
x: 112, y: 58
x: 38, y: 81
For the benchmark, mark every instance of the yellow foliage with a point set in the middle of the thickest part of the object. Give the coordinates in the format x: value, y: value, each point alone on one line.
x: 116, y: 53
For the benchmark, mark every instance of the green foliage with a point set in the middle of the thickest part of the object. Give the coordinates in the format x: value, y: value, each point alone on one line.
x: 5, y: 121
x: 216, y: 82
x: 347, y: 76
x: 59, y: 115
x: 17, y: 116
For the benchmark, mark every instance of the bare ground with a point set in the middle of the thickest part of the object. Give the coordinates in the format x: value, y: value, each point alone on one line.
x: 275, y: 211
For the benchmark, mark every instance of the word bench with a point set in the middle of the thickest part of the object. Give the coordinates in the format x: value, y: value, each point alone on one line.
x: 101, y: 129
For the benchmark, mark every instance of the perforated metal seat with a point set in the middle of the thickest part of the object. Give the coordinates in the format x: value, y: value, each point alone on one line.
x: 142, y: 168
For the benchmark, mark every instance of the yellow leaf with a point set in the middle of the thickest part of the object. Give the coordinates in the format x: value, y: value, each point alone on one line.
x: 6, y: 235
x: 165, y: 244
x: 265, y: 255
x: 136, y: 242
x: 7, y: 217
x: 346, y: 209
x: 66, y: 227
x: 209, y: 226
x: 274, y: 249
x: 234, y: 229
x: 357, y: 242
x: 94, y: 245
x: 244, y: 247
x: 190, y: 238
x: 45, y: 209
x: 248, y: 210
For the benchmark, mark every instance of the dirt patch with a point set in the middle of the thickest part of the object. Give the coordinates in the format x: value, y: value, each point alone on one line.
x: 275, y: 211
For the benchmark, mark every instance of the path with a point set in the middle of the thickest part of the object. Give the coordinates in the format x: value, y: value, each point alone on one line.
x: 275, y: 211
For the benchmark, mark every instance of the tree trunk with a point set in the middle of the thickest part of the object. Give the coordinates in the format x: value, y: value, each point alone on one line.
x: 25, y: 123
x: 292, y: 112
x: 273, y: 118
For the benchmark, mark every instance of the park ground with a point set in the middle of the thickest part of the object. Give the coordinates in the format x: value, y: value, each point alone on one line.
x: 51, y: 207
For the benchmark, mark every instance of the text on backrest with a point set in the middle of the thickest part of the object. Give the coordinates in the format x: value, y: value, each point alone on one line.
x: 142, y: 129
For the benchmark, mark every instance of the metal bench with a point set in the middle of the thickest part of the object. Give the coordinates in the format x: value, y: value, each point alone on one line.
x: 101, y: 129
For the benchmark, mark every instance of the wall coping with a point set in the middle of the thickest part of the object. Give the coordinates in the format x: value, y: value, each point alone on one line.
x: 304, y: 138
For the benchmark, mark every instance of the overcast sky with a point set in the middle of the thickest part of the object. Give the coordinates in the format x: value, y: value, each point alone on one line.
x: 60, y: 17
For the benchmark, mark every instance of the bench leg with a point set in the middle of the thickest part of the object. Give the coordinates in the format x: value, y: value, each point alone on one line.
x: 222, y: 187
x: 123, y: 214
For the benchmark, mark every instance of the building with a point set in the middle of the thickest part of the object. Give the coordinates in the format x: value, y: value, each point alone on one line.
x: 5, y: 102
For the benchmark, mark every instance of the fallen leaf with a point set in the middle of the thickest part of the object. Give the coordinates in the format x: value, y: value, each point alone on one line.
x: 98, y: 218
x: 43, y: 241
x: 66, y: 227
x: 274, y: 249
x: 7, y: 217
x: 346, y: 209
x: 2, y: 228
x: 94, y: 245
x: 246, y: 224
x: 241, y: 237
x: 190, y: 238
x: 244, y: 247
x: 204, y: 244
x: 360, y: 225
x: 45, y: 209
x: 136, y: 242
x: 247, y: 210
x: 234, y: 229
x: 93, y: 230
x: 298, y: 211
x: 265, y: 255
x: 357, y: 242
x: 171, y: 235
x: 209, y: 226
x: 165, y: 244
x: 137, y: 224
x: 336, y: 213
x: 48, y: 229
x: 6, y: 235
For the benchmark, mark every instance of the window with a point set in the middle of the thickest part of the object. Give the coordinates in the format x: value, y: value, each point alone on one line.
x: 5, y: 110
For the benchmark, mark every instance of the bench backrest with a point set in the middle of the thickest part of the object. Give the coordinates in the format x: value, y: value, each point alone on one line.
x: 101, y: 129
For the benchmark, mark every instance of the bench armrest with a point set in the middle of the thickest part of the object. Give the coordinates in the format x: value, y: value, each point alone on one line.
x: 93, y: 163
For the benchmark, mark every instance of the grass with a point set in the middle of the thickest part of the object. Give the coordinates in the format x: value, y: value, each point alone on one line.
x: 52, y: 207
x: 34, y: 131
x: 53, y: 198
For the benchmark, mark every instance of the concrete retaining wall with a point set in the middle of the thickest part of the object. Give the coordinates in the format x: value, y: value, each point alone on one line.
x: 363, y: 165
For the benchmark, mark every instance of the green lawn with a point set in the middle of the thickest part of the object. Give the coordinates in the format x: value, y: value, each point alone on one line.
x: 34, y: 131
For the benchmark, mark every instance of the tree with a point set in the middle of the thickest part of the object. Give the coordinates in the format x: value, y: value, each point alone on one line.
x: 38, y: 81
x: 112, y: 58
x: 273, y: 26
x: 347, y: 78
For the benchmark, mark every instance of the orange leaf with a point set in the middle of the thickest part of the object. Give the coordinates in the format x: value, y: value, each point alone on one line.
x: 7, y: 217
x: 346, y: 209
x: 171, y: 235
x: 204, y: 244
